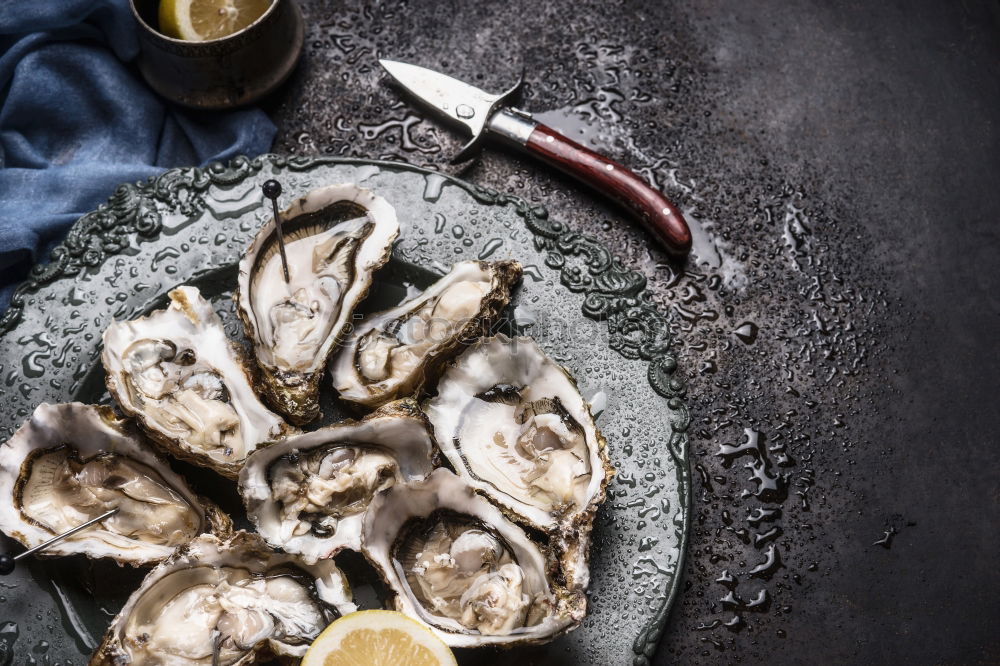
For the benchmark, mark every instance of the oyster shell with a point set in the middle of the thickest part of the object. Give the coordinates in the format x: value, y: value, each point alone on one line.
x: 308, y: 493
x: 456, y: 564
x: 393, y: 353
x: 234, y: 598
x: 335, y: 237
x: 514, y: 425
x: 72, y: 462
x: 180, y: 376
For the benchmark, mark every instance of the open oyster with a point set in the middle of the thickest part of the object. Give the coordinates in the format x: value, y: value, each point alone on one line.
x: 308, y: 493
x: 455, y: 563
x: 72, y: 462
x: 393, y: 353
x: 335, y: 237
x: 179, y: 375
x: 227, y: 603
x: 514, y: 425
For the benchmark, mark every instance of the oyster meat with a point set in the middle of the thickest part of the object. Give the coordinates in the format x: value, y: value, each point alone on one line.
x: 394, y: 353
x: 178, y: 374
x: 514, y: 425
x: 335, y: 238
x: 308, y: 493
x: 229, y: 602
x: 71, y: 462
x: 454, y: 562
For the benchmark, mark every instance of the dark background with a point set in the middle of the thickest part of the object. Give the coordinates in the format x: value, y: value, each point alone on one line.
x: 843, y: 163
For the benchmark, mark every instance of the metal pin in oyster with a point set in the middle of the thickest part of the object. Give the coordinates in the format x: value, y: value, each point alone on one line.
x: 308, y: 493
x: 395, y: 353
x: 455, y: 563
x: 335, y: 238
x: 72, y: 462
x: 514, y: 425
x: 225, y: 601
x: 181, y: 377
x: 272, y: 190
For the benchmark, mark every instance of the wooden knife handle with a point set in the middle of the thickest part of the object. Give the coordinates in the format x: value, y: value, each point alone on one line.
x: 656, y: 213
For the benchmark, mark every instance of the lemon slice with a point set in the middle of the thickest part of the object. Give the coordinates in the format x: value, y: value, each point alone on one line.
x: 201, y: 20
x: 378, y: 638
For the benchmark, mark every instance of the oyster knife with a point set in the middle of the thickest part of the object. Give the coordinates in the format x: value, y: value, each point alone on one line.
x: 483, y: 114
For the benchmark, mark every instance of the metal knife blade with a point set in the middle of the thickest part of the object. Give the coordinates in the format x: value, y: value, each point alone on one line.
x: 482, y: 113
x: 454, y: 100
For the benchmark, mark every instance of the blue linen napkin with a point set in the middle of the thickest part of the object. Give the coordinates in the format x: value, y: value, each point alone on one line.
x: 77, y: 120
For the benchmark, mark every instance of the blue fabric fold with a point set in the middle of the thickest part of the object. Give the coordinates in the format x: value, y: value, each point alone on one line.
x: 77, y: 120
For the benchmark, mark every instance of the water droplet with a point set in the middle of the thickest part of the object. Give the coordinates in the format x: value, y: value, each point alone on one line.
x: 163, y: 255
x: 492, y: 245
x: 747, y: 332
x: 886, y: 540
x: 533, y: 272
x: 703, y: 248
x: 771, y: 563
x: 439, y: 222
x: 433, y: 184
x: 79, y: 628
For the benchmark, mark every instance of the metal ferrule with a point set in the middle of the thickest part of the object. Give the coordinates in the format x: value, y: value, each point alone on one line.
x: 512, y: 125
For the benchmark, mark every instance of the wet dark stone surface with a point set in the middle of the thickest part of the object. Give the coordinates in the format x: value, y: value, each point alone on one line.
x: 838, y: 323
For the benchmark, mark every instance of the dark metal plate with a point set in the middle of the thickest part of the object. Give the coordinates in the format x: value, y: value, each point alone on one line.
x: 189, y: 226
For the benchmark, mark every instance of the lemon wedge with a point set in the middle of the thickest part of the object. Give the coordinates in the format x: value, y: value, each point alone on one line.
x: 378, y: 638
x: 201, y: 20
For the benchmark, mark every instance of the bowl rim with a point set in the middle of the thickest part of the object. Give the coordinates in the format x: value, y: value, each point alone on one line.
x: 272, y: 8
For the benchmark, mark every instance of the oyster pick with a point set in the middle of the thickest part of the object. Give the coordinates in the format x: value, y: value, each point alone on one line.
x: 272, y: 190
x: 7, y: 562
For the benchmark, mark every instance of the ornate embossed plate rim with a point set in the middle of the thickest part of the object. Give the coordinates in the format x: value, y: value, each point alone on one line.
x: 612, y: 293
